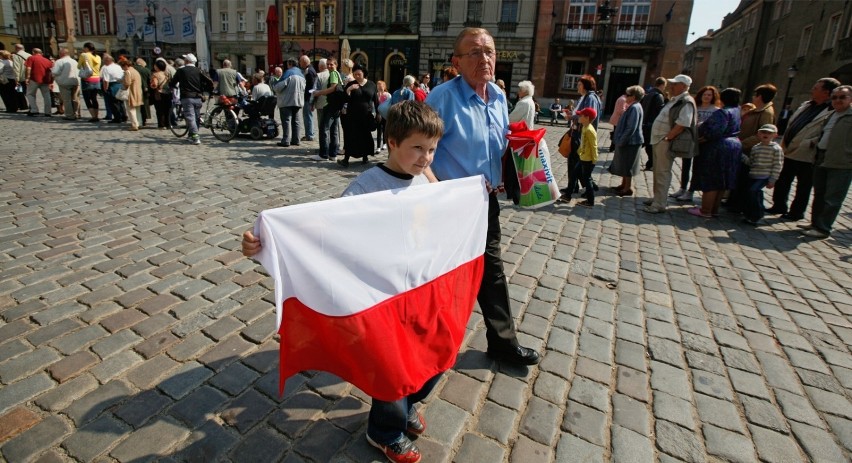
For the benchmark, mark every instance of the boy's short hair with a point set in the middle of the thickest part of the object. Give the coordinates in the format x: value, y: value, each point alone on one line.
x: 409, y: 117
x: 766, y: 92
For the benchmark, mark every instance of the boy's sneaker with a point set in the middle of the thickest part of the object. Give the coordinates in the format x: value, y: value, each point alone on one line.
x: 195, y: 139
x: 677, y: 194
x: 400, y: 451
x: 416, y: 424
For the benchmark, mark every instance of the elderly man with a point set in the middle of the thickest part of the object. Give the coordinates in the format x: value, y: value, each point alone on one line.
x: 832, y: 165
x: 226, y: 80
x: 191, y: 83
x: 676, y: 116
x: 19, y: 59
x: 474, y: 112
x: 67, y: 77
x: 310, y: 85
x: 38, y: 79
x: 799, y: 144
x: 291, y: 98
x: 329, y: 119
x: 112, y: 75
x: 652, y: 103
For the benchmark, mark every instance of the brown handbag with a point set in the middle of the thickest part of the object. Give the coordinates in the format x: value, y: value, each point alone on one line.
x: 565, y: 144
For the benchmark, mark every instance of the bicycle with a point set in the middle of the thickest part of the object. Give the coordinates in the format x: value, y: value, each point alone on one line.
x: 220, y: 119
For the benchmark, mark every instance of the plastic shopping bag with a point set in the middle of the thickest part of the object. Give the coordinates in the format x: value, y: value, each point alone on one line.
x: 534, y: 170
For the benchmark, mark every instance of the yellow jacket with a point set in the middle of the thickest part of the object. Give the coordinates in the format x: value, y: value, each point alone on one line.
x: 588, y: 150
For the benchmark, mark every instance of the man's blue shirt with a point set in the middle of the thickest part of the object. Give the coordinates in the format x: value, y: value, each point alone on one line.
x: 474, y: 132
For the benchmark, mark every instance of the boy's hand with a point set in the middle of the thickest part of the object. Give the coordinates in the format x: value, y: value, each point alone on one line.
x: 251, y: 244
x: 770, y: 185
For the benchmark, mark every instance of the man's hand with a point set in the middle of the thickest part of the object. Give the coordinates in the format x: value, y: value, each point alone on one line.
x: 770, y: 185
x: 251, y: 244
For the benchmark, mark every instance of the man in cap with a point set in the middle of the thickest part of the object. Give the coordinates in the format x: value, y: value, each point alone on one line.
x: 676, y: 116
x: 190, y: 80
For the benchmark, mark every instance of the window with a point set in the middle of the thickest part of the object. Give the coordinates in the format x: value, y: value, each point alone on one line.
x: 779, y: 49
x: 746, y: 58
x: 788, y: 5
x: 442, y: 11
x: 400, y: 11
x: 378, y: 11
x: 307, y: 25
x: 224, y: 21
x: 582, y: 12
x: 102, y: 20
x: 87, y: 23
x: 752, y: 19
x: 509, y: 11
x: 805, y: 41
x: 474, y: 11
x: 831, y: 32
x: 769, y: 52
x: 776, y: 10
x: 328, y: 19
x: 357, y: 11
x: 241, y: 21
x: 291, y: 20
x: 573, y: 71
x: 260, y: 21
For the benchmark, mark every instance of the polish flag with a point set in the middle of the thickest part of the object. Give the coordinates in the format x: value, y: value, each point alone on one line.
x: 377, y: 288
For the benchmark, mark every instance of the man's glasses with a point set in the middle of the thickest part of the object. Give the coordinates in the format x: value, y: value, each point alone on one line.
x: 840, y: 97
x: 474, y: 54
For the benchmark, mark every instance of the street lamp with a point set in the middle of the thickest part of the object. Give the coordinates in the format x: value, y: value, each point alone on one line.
x: 785, y: 113
x: 605, y: 14
x: 312, y: 15
x: 152, y: 18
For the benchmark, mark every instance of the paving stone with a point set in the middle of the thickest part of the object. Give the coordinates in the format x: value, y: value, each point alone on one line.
x: 586, y: 423
x: 572, y: 449
x: 349, y: 414
x: 540, y: 421
x: 474, y: 448
x: 628, y: 446
x: 226, y: 352
x: 797, y: 408
x: 556, y: 363
x: 817, y: 443
x: 16, y: 421
x: 666, y: 351
x: 72, y: 366
x: 807, y: 361
x: 820, y: 381
x: 670, y: 380
x: 763, y: 413
x: 829, y: 402
x: 712, y: 385
x: 116, y: 365
x: 701, y: 361
x: 234, y: 379
x: 35, y: 440
x: 446, y: 421
x: 679, y: 411
x: 19, y: 392
x: 184, y: 379
x: 589, y: 393
x: 595, y: 348
x: 747, y: 383
x: 508, y: 392
x: 679, y: 442
x: 728, y: 445
x: 211, y: 442
x: 778, y: 373
x: 299, y: 411
x: 631, y: 414
x: 497, y: 422
x: 156, y: 439
x: 840, y: 427
x: 593, y: 370
x: 774, y: 447
x: 27, y: 364
x: 93, y: 439
x: 739, y: 359
x: 141, y: 407
x: 526, y: 450
x: 547, y: 386
x: 116, y: 343
x: 462, y: 391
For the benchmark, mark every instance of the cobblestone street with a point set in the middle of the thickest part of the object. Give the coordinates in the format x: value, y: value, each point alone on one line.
x: 132, y: 329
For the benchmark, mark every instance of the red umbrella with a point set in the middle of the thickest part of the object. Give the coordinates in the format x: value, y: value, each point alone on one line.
x: 273, y: 42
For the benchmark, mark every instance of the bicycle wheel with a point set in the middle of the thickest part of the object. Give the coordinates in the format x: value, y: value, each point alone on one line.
x: 223, y: 124
x: 177, y: 123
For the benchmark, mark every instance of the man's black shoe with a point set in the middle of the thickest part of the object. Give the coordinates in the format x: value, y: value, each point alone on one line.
x: 776, y: 210
x: 792, y: 217
x: 518, y: 355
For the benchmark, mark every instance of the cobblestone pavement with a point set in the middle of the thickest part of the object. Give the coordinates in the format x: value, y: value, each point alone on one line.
x: 131, y: 328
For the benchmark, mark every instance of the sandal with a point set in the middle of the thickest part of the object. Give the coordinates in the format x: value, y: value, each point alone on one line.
x: 696, y: 211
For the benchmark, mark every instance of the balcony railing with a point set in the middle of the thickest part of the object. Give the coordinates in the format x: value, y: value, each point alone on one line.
x: 507, y: 27
x: 440, y: 26
x: 611, y: 34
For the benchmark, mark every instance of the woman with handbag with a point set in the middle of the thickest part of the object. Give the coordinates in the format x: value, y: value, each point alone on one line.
x: 162, y: 94
x: 132, y: 83
x: 719, y: 155
x: 89, y: 65
x: 361, y: 109
x: 627, y: 139
x: 588, y: 99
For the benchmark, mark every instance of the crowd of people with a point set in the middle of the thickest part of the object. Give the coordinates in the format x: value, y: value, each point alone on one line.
x: 729, y: 149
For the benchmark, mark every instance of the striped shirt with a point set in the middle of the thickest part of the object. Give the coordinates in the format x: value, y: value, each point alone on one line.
x: 765, y: 161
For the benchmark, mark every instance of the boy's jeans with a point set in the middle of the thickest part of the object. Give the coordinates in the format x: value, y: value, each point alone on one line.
x: 583, y: 174
x: 328, y: 134
x: 389, y: 420
x: 754, y: 210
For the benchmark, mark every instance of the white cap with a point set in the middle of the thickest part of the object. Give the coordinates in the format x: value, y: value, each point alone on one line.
x: 681, y: 79
x: 190, y: 58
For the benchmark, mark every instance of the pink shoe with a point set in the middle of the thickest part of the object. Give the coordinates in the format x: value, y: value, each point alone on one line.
x: 696, y: 211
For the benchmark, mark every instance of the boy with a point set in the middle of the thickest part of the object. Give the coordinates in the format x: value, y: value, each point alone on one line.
x: 413, y: 130
x: 764, y: 162
x: 588, y: 152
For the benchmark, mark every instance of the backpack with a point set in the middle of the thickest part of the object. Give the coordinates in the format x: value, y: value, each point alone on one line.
x: 336, y: 99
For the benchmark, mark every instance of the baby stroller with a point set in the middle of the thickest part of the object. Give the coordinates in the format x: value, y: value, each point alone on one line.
x: 259, y: 120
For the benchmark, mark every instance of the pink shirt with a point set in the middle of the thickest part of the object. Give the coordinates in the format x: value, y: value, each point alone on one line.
x: 620, y: 107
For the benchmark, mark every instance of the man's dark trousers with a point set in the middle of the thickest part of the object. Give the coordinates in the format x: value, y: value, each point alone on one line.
x: 493, y: 295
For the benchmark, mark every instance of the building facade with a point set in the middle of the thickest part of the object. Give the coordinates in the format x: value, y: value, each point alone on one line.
x: 635, y: 43
x: 696, y: 60
x: 812, y: 38
x: 511, y: 22
x: 8, y: 26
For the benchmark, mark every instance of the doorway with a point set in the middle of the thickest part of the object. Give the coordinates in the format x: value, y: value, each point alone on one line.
x: 620, y: 77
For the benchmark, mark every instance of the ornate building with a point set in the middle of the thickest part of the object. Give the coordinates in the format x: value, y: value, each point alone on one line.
x: 696, y: 60
x: 620, y: 43
x: 511, y: 22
